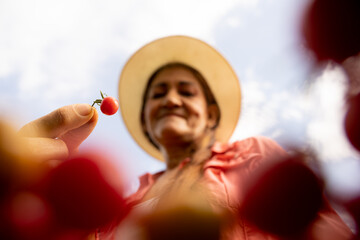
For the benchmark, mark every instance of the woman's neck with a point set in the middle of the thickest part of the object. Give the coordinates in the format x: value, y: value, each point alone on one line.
x: 176, y: 153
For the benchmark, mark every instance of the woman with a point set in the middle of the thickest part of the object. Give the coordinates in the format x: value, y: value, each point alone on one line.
x: 180, y: 100
x: 190, y: 104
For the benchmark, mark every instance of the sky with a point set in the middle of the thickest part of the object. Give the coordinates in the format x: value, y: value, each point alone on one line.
x: 55, y: 53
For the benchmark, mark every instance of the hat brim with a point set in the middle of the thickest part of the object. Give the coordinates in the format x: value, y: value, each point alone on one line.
x: 218, y: 73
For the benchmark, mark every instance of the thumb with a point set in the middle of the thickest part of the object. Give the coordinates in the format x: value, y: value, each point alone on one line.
x: 73, y: 138
x: 59, y: 121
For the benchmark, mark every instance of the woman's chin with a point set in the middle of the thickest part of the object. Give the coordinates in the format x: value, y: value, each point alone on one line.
x: 172, y: 134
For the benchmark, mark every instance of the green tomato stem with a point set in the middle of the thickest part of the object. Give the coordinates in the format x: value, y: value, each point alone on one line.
x: 97, y: 101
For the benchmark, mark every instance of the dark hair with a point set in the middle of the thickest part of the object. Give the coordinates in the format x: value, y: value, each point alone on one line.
x: 210, y: 99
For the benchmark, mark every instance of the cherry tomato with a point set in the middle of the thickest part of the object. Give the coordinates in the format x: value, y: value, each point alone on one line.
x: 109, y: 105
x: 81, y: 195
x: 282, y: 198
x: 352, y: 120
x: 353, y: 207
x: 331, y: 29
x: 29, y: 216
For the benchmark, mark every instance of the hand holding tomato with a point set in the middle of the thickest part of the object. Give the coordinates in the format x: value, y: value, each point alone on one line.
x: 59, y: 133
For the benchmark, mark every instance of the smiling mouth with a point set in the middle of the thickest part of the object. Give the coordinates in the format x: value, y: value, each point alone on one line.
x: 171, y: 115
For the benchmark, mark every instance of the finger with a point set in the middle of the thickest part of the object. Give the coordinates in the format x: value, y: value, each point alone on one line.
x: 59, y: 121
x: 75, y: 137
x: 42, y: 149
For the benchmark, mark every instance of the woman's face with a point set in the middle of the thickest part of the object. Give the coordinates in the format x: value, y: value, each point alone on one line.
x: 175, y: 108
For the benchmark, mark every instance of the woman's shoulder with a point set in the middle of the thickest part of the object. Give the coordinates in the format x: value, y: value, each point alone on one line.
x: 252, y: 150
x: 257, y: 140
x: 259, y: 144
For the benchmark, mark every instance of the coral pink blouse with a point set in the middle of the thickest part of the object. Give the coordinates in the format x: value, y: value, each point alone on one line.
x: 225, y: 174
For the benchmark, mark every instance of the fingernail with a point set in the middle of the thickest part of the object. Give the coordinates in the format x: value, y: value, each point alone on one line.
x: 83, y: 109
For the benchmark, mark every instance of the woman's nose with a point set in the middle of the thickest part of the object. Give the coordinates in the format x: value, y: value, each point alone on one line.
x: 172, y: 99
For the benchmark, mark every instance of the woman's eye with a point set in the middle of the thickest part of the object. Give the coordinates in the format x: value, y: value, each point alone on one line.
x: 187, y: 93
x: 157, y: 95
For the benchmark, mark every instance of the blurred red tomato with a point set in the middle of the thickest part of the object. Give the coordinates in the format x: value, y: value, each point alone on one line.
x: 331, y: 29
x: 352, y: 121
x: 72, y: 234
x: 81, y: 196
x: 282, y: 198
x: 353, y: 207
x: 28, y: 216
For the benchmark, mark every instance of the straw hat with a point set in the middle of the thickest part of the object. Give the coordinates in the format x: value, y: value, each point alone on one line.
x: 218, y: 73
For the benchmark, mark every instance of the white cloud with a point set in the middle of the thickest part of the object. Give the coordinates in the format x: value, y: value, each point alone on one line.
x: 57, y: 47
x: 343, y: 177
x: 326, y: 131
x: 266, y: 107
x: 196, y: 18
x: 234, y: 21
x: 257, y: 113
